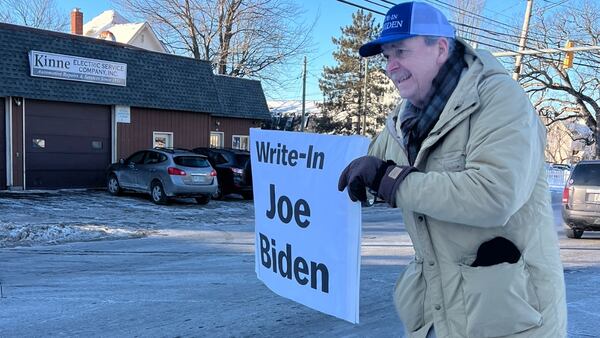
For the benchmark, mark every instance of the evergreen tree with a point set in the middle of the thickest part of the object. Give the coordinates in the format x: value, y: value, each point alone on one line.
x: 342, y: 85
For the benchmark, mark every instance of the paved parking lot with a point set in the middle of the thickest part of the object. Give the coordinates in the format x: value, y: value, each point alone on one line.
x: 188, y: 270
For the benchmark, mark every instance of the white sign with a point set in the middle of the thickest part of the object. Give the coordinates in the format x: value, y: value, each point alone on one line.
x: 307, y: 232
x: 123, y: 114
x: 75, y: 68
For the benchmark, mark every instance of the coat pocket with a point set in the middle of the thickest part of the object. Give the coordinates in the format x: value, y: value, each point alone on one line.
x: 409, y: 296
x: 452, y: 161
x: 456, y: 162
x: 499, y: 300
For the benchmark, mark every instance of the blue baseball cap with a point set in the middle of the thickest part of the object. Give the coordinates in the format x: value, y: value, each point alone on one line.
x: 406, y: 20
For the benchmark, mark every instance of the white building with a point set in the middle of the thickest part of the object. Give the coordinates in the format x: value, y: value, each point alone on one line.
x: 111, y: 25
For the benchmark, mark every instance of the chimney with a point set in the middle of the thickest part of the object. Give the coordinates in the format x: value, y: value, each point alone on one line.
x: 76, y: 21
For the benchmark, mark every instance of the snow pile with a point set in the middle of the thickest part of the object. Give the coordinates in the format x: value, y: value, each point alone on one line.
x: 30, y: 234
x: 40, y: 218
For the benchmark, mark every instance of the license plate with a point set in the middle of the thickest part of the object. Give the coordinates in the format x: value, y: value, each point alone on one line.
x: 196, y: 179
x: 593, y: 198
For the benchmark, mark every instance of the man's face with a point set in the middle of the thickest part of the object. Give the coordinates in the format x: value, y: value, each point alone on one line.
x: 412, y: 65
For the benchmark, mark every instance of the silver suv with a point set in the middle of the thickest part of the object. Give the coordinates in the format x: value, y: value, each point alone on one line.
x: 581, y: 199
x: 164, y: 173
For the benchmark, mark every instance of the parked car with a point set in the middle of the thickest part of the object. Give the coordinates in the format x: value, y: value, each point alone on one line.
x: 557, y: 175
x: 581, y: 199
x: 233, y: 170
x: 561, y: 166
x: 164, y: 173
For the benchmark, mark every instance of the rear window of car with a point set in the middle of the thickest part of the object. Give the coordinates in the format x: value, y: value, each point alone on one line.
x: 586, y: 174
x: 191, y: 161
x: 241, y: 159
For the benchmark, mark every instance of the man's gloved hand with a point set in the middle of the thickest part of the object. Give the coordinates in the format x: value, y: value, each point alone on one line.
x: 371, y: 172
x: 362, y: 173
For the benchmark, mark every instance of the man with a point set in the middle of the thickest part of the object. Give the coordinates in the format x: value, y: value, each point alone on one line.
x: 463, y: 158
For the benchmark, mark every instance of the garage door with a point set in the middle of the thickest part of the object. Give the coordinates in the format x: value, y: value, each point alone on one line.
x: 2, y: 146
x: 68, y: 144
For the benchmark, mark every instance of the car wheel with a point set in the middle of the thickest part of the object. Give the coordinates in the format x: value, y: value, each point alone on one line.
x: 218, y: 194
x: 157, y: 193
x: 113, y: 185
x: 247, y: 195
x: 574, y: 233
x: 203, y: 200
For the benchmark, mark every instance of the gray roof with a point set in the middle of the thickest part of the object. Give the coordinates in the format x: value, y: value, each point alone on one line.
x: 242, y: 98
x: 154, y: 80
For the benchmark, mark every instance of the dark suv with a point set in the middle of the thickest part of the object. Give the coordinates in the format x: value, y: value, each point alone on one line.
x: 581, y: 199
x: 233, y: 170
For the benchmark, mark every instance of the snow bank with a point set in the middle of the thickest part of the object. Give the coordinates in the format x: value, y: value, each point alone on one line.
x: 34, y: 234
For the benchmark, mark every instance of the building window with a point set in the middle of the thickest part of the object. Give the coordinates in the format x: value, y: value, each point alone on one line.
x: 240, y: 142
x: 162, y: 139
x: 39, y: 143
x: 97, y: 145
x: 216, y: 139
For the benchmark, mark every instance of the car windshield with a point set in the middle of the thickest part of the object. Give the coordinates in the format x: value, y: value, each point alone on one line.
x: 191, y: 161
x: 586, y: 174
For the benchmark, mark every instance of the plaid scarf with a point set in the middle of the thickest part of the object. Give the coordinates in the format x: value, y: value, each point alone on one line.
x: 416, y: 123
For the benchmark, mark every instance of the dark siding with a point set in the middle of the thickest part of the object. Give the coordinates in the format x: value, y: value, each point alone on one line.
x: 189, y: 130
x: 68, y: 159
x: 17, y: 143
x: 232, y: 126
x: 2, y: 146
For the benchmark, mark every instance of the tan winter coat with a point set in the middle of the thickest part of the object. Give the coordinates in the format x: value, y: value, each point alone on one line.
x: 481, y: 175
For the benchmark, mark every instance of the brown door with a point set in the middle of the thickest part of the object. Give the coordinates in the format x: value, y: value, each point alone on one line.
x: 67, y: 144
x: 2, y: 146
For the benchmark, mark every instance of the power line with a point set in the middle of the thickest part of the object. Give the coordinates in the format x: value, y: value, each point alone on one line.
x: 455, y: 9
x: 552, y: 5
x: 376, y: 4
x: 469, y: 12
x: 472, y: 27
x: 538, y: 56
x: 501, y: 12
x: 534, y: 49
x: 361, y: 7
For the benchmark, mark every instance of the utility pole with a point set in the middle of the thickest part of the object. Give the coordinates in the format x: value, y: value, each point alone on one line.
x: 302, y: 121
x: 364, y: 103
x: 523, y: 40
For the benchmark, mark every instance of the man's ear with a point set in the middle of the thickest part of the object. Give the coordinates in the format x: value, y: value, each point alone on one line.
x: 442, y: 45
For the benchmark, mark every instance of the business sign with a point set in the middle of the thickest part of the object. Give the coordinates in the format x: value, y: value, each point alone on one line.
x: 75, y: 68
x: 123, y: 114
x: 307, y: 232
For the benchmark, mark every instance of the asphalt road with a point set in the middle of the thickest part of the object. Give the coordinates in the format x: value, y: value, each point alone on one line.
x: 190, y: 279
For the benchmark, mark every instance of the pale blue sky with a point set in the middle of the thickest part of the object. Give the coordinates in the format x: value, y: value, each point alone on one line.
x: 331, y: 15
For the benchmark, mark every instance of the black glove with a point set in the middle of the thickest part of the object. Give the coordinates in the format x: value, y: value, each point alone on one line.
x: 363, y: 172
x: 368, y: 172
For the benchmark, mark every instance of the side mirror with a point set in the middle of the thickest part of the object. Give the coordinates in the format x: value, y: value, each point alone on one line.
x: 121, y: 161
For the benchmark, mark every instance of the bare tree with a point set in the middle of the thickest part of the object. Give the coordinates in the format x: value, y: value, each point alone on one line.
x: 467, y: 19
x: 34, y: 13
x: 561, y: 94
x: 251, y: 38
x: 559, y: 142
